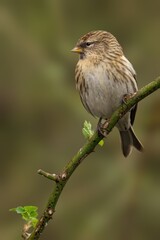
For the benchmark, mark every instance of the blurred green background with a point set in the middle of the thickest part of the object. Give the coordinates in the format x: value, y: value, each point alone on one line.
x: 41, y: 119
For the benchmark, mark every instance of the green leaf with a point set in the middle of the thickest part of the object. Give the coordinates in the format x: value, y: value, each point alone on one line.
x: 34, y: 222
x: 28, y: 213
x: 19, y: 210
x: 88, y: 132
x: 31, y: 210
x: 101, y: 143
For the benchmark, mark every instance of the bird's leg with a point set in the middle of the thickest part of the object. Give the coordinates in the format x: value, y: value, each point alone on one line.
x: 101, y: 127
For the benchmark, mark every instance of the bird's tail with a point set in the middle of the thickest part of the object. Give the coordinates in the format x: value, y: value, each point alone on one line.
x: 129, y: 139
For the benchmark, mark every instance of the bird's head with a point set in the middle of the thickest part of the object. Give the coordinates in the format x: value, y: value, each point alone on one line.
x: 97, y: 44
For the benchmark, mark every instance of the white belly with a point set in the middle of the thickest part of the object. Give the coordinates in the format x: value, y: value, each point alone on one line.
x: 104, y: 92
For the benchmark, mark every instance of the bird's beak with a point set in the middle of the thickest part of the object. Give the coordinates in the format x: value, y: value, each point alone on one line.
x: 77, y: 50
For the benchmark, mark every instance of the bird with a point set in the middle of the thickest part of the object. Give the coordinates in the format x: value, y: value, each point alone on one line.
x: 104, y: 76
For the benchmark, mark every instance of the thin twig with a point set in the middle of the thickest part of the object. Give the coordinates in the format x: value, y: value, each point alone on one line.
x: 51, y: 176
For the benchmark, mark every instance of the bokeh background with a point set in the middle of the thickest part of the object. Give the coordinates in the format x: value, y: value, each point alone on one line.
x: 41, y: 119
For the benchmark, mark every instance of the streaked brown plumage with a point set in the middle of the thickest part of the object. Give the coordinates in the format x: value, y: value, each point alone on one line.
x: 103, y: 77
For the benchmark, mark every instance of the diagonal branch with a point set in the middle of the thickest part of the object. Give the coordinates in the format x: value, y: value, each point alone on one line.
x: 62, y: 178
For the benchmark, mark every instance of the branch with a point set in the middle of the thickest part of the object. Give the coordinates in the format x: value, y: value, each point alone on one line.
x: 61, y: 179
x: 50, y: 176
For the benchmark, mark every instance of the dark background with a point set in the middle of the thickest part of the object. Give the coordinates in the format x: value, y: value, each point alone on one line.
x: 41, y: 119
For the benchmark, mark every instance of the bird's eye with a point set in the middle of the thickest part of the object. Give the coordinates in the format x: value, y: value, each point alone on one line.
x: 88, y: 44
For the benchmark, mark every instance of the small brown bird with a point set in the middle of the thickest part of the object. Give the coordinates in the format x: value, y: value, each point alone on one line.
x: 103, y: 77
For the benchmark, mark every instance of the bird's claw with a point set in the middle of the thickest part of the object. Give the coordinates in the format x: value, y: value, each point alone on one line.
x: 101, y: 127
x: 127, y: 97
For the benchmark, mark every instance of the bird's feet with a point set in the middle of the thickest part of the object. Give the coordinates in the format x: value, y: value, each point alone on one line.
x: 101, y: 127
x: 127, y: 97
